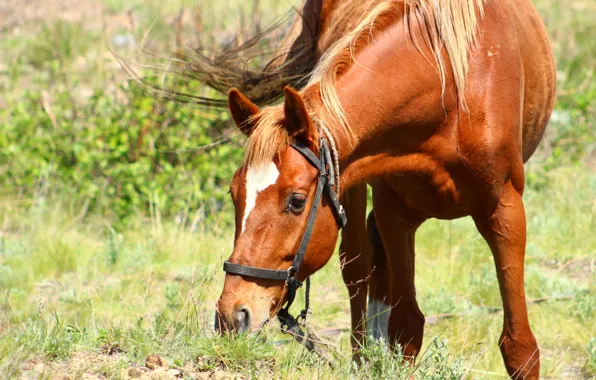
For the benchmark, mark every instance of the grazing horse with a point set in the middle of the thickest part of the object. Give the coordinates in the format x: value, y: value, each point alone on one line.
x: 437, y: 105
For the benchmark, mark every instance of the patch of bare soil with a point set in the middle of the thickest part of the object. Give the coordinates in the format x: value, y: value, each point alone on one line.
x: 91, y: 366
x: 579, y: 268
x: 19, y: 15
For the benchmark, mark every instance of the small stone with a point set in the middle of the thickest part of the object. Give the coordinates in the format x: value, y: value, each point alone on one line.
x: 135, y: 372
x: 40, y: 368
x: 220, y: 375
x: 90, y: 376
x: 124, y: 374
x: 174, y: 373
x: 155, y: 361
x: 158, y: 374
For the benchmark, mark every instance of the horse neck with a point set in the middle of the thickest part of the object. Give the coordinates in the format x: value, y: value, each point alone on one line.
x: 393, y: 102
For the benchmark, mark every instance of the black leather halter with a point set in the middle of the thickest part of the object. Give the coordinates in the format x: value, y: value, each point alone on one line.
x: 325, y: 183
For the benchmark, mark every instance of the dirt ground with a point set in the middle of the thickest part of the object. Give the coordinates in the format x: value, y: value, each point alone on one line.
x: 22, y: 16
x: 82, y: 364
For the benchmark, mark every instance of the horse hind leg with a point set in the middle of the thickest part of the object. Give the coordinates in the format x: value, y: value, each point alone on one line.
x: 397, y: 227
x: 378, y: 291
x: 504, y: 229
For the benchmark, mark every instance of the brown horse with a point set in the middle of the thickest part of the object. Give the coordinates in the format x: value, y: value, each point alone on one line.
x: 437, y: 105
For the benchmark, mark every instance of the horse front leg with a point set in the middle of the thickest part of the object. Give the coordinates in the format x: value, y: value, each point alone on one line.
x: 397, y: 227
x: 355, y: 260
x: 379, y: 287
x: 505, y: 232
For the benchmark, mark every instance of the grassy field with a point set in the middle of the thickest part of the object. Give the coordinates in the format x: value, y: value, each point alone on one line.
x: 83, y: 295
x: 79, y: 297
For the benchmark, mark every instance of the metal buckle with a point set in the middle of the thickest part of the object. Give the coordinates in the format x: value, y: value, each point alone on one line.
x: 301, y: 318
x: 292, y: 278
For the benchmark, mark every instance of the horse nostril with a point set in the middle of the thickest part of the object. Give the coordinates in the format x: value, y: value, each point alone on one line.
x: 241, y: 318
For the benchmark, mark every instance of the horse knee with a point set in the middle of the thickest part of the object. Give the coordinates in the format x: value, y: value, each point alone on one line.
x: 521, y: 355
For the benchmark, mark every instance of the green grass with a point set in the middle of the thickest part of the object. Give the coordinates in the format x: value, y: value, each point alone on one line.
x: 81, y: 292
x: 71, y: 288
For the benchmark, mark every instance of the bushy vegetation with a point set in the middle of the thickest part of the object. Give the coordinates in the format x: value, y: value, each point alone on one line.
x: 121, y: 155
x: 114, y: 221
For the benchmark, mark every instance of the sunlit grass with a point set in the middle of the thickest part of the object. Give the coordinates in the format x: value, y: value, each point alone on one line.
x: 76, y: 288
x: 69, y: 286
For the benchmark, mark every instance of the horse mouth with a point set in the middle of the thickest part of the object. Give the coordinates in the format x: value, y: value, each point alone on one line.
x: 222, y: 327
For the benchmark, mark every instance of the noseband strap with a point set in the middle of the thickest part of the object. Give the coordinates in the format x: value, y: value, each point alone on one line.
x: 267, y: 274
x: 325, y: 183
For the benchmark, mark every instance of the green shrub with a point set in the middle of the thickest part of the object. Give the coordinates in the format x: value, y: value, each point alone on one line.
x: 63, y: 41
x: 379, y: 362
x: 125, y: 156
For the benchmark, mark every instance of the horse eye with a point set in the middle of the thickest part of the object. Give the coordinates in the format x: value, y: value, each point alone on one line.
x: 296, y: 202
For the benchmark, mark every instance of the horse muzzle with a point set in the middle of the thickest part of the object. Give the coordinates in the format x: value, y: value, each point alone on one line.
x: 239, y: 320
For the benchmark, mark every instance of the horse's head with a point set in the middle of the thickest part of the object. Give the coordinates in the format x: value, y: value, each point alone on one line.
x: 272, y: 194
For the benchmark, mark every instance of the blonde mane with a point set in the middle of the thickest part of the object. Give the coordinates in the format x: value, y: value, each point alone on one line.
x: 451, y: 27
x: 267, y: 138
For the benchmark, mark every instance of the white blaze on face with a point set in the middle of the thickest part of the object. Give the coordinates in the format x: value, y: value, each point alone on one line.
x: 257, y: 180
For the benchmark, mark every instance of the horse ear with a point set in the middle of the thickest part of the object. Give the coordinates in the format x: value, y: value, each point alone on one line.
x: 297, y: 120
x: 242, y: 110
